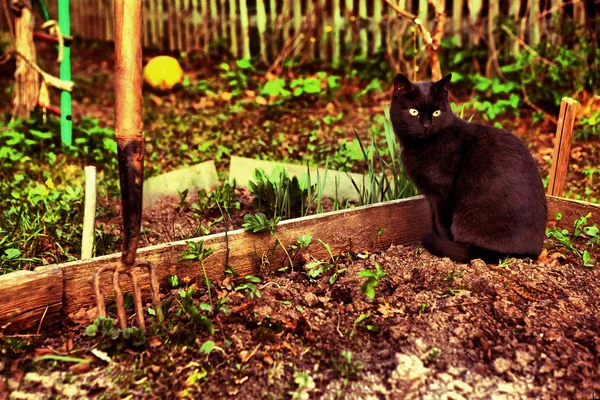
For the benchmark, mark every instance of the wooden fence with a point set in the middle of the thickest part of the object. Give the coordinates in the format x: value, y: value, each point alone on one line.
x: 330, y: 30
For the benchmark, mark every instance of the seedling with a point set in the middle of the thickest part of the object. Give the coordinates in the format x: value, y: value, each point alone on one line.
x: 368, y: 286
x: 349, y: 368
x: 359, y: 321
x: 279, y: 195
x: 197, y: 252
x: 259, y: 223
x: 173, y: 281
x: 249, y: 285
x: 566, y: 239
x: 423, y: 308
x: 306, y: 384
x: 111, y: 337
x: 303, y: 242
x: 188, y: 307
x: 183, y: 203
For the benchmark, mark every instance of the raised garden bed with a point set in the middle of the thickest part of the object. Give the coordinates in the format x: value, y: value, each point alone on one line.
x: 65, y: 288
x: 433, y: 329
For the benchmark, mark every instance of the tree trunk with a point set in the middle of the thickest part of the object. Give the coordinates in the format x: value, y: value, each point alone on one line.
x: 27, y: 79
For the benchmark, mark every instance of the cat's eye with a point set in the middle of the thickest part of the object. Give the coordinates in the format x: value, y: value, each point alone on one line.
x: 437, y: 113
x: 414, y: 112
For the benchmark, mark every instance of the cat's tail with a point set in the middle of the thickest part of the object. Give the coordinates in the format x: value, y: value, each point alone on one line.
x: 443, y: 247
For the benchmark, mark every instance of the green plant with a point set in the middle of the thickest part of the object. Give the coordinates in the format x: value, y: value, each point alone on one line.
x: 368, y: 286
x: 306, y: 384
x: 494, y: 87
x: 278, y: 195
x: 197, y: 252
x: 236, y: 78
x: 389, y: 181
x: 188, y: 307
x: 360, y: 321
x: 113, y: 338
x: 563, y: 237
x: 348, y: 367
x: 588, y: 127
x: 249, y: 285
x: 260, y: 223
x: 41, y: 191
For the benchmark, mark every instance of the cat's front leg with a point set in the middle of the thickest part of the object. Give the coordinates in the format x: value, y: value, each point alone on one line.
x: 441, y: 214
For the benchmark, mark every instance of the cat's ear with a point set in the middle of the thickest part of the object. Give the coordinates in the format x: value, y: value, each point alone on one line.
x: 441, y: 86
x: 402, y: 85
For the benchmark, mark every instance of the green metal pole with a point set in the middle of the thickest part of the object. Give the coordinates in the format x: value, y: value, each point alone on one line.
x: 66, y: 119
x: 44, y: 10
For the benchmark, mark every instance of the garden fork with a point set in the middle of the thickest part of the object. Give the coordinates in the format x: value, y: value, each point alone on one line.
x: 130, y: 145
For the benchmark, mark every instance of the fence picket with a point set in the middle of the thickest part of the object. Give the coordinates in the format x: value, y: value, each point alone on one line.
x: 336, y: 29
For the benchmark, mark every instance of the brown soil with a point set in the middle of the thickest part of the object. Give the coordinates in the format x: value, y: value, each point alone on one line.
x: 436, y: 330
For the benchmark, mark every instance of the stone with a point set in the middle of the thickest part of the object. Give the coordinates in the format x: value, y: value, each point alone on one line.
x: 501, y: 365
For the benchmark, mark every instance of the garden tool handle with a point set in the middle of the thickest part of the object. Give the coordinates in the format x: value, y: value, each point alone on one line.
x: 128, y: 120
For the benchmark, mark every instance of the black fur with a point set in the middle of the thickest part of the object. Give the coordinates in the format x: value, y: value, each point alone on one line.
x: 484, y: 190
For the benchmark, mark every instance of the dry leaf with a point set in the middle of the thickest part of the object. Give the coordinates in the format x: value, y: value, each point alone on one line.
x: 80, y: 317
x: 154, y: 342
x: 226, y: 96
x: 42, y: 351
x: 268, y: 359
x: 542, y: 255
x: 387, y: 311
x: 67, y: 346
x: 261, y: 101
x: 80, y: 368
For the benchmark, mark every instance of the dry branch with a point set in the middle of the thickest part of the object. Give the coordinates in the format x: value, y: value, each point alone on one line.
x: 431, y: 40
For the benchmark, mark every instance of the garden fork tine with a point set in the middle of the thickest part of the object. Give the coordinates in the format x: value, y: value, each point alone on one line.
x: 117, y: 271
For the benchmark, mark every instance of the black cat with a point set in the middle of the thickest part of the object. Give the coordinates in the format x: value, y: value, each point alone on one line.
x: 484, y: 190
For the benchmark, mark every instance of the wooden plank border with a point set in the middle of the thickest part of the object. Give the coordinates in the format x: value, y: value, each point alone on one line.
x: 31, y: 299
x: 26, y: 296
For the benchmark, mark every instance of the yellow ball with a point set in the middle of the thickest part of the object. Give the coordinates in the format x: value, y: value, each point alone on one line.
x: 163, y: 72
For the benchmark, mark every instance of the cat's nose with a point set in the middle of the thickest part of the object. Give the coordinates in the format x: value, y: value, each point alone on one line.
x: 426, y: 124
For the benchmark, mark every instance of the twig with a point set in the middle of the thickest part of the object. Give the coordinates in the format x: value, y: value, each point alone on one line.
x: 270, y: 283
x: 42, y: 320
x: 431, y: 41
x: 551, y: 10
x: 527, y: 47
x: 400, y: 11
x: 337, y: 328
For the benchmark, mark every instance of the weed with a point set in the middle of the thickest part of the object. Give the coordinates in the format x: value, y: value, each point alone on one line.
x: 249, y: 285
x: 315, y: 268
x: 390, y: 181
x: 306, y: 384
x: 113, y: 338
x: 197, y: 252
x: 260, y: 223
x: 188, y: 307
x: 279, y: 195
x: 368, y: 286
x: 173, y: 281
x: 563, y: 237
x: 348, y: 367
x: 360, y: 321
